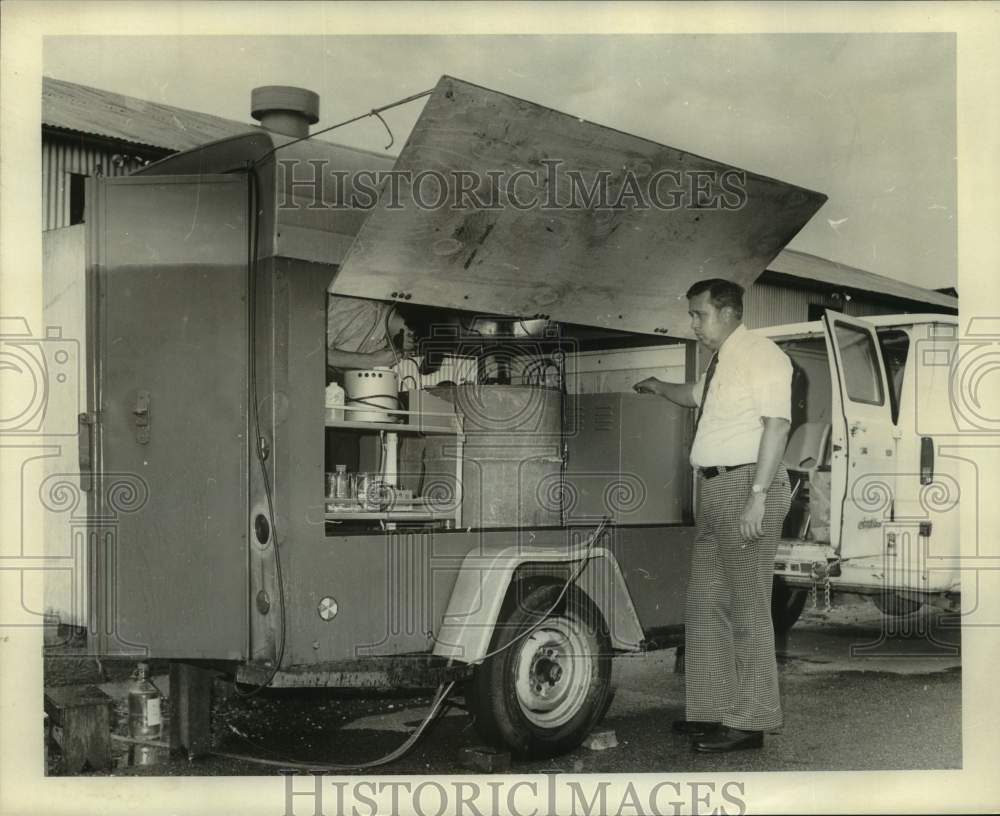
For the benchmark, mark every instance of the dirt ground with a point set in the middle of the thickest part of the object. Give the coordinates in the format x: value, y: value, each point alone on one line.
x: 900, y: 685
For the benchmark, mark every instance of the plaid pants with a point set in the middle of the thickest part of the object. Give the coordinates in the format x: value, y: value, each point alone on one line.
x: 731, y: 674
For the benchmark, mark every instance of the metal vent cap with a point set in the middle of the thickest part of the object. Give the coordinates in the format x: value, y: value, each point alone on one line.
x: 285, y: 109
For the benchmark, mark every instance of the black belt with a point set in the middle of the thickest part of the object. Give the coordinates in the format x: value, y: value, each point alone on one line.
x: 712, y: 472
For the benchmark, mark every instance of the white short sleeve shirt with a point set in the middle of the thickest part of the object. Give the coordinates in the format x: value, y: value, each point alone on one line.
x: 356, y: 324
x: 752, y: 380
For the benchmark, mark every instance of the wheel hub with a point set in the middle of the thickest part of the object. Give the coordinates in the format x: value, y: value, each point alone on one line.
x: 553, y: 673
x: 549, y: 671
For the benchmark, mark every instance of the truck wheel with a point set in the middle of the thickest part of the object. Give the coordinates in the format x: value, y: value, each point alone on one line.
x: 889, y: 604
x: 546, y: 690
x: 786, y: 605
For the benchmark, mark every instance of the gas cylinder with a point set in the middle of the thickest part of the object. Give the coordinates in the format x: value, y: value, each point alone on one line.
x: 144, y: 720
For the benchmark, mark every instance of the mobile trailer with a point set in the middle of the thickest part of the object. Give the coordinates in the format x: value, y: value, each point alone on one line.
x: 205, y: 439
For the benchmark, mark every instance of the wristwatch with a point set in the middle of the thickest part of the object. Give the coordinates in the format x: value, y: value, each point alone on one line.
x: 757, y: 490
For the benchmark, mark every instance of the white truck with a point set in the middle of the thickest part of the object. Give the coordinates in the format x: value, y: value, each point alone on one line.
x: 875, y: 508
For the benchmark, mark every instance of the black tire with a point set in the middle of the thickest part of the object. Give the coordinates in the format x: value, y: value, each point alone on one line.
x: 787, y: 604
x: 890, y: 604
x: 570, y: 652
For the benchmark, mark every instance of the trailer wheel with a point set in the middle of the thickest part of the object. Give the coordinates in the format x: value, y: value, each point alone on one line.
x: 786, y: 605
x: 546, y: 690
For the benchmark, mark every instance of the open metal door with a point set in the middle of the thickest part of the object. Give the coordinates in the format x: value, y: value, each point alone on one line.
x: 862, y: 458
x: 167, y: 405
x: 502, y: 206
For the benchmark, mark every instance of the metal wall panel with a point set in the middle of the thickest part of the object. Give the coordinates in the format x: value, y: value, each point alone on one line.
x: 768, y: 304
x: 863, y: 308
x: 392, y: 589
x: 61, y: 158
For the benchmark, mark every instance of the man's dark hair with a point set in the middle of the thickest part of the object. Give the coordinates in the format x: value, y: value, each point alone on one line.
x: 721, y: 292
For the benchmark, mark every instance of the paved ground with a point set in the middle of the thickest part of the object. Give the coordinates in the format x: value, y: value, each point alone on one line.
x: 856, y: 697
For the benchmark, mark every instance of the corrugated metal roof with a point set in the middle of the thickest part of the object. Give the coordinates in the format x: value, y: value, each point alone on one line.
x: 819, y: 270
x: 79, y: 108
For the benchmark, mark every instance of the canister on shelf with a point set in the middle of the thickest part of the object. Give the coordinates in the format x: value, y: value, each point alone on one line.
x: 360, y: 482
x: 341, y: 483
x: 375, y: 388
x: 334, y: 402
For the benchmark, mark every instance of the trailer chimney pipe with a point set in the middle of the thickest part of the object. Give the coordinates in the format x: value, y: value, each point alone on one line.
x: 285, y: 109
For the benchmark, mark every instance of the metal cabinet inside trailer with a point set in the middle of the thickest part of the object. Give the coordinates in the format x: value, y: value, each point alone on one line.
x: 627, y: 459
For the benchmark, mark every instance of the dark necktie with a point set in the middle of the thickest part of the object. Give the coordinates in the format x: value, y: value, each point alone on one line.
x: 704, y: 394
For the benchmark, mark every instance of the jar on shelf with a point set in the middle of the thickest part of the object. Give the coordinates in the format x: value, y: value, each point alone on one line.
x: 341, y: 483
x: 334, y: 402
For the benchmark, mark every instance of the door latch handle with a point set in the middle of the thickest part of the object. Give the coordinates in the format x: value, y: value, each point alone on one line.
x: 141, y: 414
x: 85, y: 445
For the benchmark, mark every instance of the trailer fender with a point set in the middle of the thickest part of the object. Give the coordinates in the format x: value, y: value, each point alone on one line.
x: 486, y: 574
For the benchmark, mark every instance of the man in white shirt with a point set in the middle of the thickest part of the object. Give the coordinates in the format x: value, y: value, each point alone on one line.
x: 363, y: 333
x: 743, y: 419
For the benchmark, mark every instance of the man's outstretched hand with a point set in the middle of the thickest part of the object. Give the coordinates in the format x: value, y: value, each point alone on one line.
x: 650, y: 385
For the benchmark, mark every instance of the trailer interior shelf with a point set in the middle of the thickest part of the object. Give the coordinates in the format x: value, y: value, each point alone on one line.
x: 388, y: 515
x: 397, y: 427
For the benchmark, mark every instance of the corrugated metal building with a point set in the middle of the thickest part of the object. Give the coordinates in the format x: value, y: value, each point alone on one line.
x: 87, y: 131
x: 91, y: 132
x: 798, y: 287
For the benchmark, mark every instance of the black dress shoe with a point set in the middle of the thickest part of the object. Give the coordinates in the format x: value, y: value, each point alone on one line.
x: 695, y: 728
x: 729, y: 739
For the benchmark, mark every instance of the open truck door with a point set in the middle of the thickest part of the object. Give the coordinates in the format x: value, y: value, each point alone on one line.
x: 863, y: 455
x: 167, y: 376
